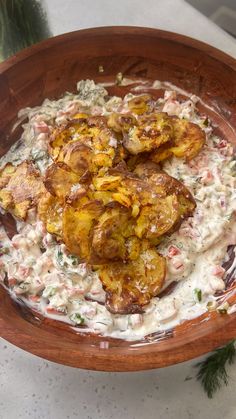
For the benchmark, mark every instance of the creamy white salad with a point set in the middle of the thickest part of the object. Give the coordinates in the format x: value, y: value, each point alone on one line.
x: 55, y: 283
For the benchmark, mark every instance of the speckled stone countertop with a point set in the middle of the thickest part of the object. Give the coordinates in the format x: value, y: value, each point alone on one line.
x: 33, y: 388
x: 37, y: 389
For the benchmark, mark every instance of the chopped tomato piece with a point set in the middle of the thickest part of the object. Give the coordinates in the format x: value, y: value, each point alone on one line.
x: 12, y: 282
x: 40, y: 127
x: 52, y: 310
x: 173, y: 251
x: 218, y: 271
x: 222, y: 144
x: 177, y: 264
x: 34, y: 298
x: 207, y: 177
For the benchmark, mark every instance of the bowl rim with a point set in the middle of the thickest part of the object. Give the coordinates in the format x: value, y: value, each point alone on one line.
x: 133, y: 359
x: 119, y: 30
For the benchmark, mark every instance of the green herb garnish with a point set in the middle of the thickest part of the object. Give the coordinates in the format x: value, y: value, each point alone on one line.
x: 74, y: 260
x: 212, y: 371
x: 38, y: 154
x: 223, y: 308
x: 49, y: 291
x: 198, y: 294
x: 4, y: 250
x: 77, y: 318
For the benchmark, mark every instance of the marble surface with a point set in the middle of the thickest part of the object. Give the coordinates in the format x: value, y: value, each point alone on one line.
x: 31, y: 387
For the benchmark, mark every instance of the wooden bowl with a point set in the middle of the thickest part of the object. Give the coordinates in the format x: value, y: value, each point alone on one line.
x: 49, y: 69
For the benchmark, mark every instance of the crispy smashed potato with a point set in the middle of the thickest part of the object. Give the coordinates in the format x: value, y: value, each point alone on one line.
x: 145, y: 169
x: 188, y: 139
x: 162, y: 153
x: 156, y: 220
x: 108, y: 222
x: 77, y: 157
x: 152, y: 131
x: 110, y: 234
x: 50, y: 212
x: 86, y: 144
x: 59, y: 180
x: 77, y: 224
x: 67, y: 133
x: 121, y: 122
x: 171, y: 185
x: 129, y: 286
x: 141, y: 104
x: 20, y: 188
x: 6, y: 173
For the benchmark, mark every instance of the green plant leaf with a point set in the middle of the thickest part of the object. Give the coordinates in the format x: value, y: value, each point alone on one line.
x: 212, y: 371
x: 22, y: 23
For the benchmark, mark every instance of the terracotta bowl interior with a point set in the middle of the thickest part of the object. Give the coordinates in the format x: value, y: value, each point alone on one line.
x: 49, y: 69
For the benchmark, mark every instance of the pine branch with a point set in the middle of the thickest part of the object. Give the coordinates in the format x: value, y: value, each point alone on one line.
x: 212, y: 371
x: 22, y: 23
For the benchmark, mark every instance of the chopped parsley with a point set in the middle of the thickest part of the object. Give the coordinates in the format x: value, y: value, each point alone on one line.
x: 198, y: 294
x: 74, y: 260
x: 206, y: 122
x: 223, y: 308
x: 4, y: 250
x: 49, y: 291
x: 77, y: 318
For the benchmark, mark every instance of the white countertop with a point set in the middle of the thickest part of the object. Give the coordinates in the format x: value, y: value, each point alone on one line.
x: 33, y: 388
x: 172, y: 15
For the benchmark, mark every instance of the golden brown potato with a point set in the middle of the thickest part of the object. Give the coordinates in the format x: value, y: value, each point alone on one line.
x: 129, y: 286
x: 147, y: 207
x: 141, y: 104
x: 163, y: 182
x: 146, y: 185
x: 109, y: 236
x: 6, y: 173
x: 78, y: 225
x: 146, y: 169
x: 86, y: 144
x: 152, y: 131
x: 133, y: 246
x: 189, y: 139
x: 162, y: 153
x: 119, y: 122
x: 156, y: 220
x: 50, y: 212
x: 77, y: 156
x: 132, y: 161
x: 132, y: 189
x: 21, y: 187
x: 59, y: 180
x: 106, y: 183
x: 159, y: 201
x: 65, y: 133
x: 104, y: 196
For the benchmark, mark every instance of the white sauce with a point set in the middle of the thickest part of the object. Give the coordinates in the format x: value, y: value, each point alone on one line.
x: 53, y: 282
